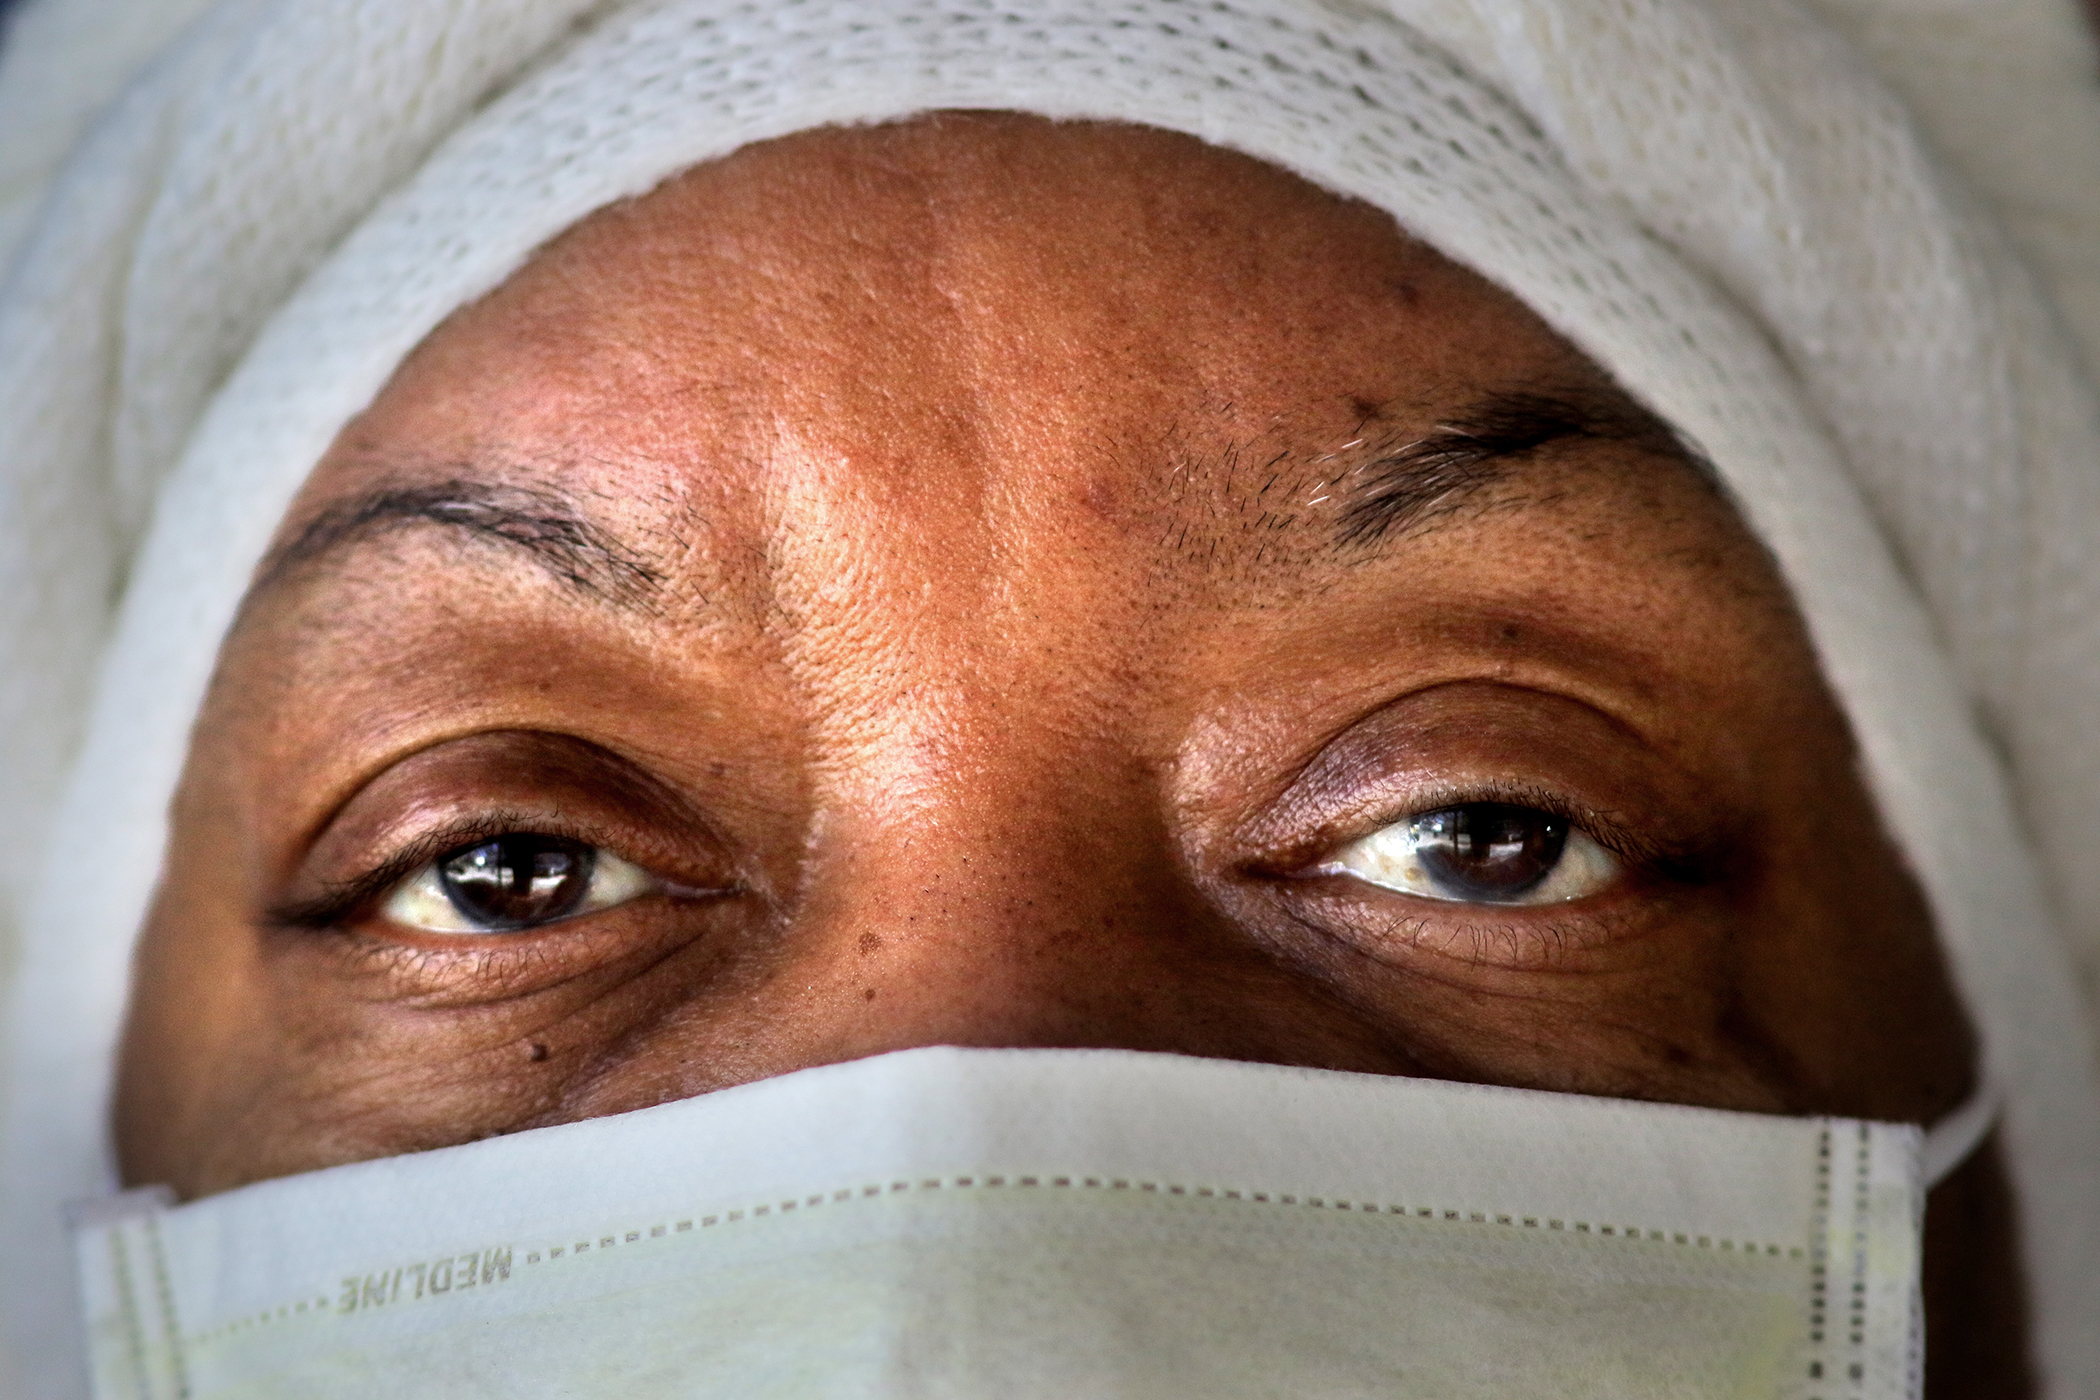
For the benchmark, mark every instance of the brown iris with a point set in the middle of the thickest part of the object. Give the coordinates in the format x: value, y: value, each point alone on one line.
x: 1488, y: 851
x: 517, y: 880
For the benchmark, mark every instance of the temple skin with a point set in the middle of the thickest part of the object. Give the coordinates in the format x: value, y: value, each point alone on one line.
x: 935, y: 553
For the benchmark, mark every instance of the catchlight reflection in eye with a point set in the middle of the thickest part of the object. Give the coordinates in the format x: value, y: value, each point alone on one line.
x: 1480, y: 853
x: 519, y: 880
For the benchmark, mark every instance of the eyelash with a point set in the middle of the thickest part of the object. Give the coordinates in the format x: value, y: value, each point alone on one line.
x: 1606, y: 830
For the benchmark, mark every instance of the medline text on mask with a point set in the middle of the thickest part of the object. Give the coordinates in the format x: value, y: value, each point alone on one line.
x: 425, y: 1280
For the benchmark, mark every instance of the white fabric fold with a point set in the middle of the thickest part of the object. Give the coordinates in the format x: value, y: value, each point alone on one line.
x: 1714, y: 200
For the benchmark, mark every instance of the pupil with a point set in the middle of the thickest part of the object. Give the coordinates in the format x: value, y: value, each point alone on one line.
x: 517, y: 880
x: 1489, y: 851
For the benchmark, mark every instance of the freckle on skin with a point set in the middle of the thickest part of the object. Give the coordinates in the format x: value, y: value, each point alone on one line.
x: 870, y: 943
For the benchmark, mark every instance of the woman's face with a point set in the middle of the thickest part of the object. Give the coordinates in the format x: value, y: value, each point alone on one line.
x: 989, y: 582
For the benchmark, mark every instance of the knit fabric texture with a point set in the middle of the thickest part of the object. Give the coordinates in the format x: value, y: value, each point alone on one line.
x: 230, y: 231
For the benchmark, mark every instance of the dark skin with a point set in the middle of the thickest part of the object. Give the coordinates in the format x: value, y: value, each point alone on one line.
x: 990, y: 582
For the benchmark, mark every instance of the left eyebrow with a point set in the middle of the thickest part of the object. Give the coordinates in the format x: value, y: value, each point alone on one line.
x: 1474, y: 448
x: 545, y: 526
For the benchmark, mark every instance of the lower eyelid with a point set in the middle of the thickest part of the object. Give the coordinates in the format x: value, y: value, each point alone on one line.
x: 1533, y: 936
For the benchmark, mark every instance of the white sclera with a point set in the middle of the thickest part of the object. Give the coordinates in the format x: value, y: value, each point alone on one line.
x: 1392, y: 858
x: 420, y: 901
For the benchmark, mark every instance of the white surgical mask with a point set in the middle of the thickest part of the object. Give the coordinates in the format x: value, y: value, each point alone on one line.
x: 1069, y: 1224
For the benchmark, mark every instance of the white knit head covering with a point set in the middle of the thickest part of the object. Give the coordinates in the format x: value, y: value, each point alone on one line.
x: 1715, y: 199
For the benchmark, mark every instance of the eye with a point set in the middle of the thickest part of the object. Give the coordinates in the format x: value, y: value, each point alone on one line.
x: 518, y: 880
x: 1480, y: 853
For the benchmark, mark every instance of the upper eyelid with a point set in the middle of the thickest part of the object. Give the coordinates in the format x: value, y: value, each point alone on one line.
x: 473, y: 782
x: 1487, y: 739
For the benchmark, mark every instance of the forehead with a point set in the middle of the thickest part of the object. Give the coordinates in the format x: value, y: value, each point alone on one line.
x: 1000, y: 255
x: 1000, y: 330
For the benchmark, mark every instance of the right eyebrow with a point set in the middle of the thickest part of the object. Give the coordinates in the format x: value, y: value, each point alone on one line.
x: 546, y: 527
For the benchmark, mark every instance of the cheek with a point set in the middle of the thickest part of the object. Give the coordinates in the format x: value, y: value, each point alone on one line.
x: 325, y: 1048
x: 194, y: 1042
x: 188, y: 1042
x: 1635, y: 1001
x: 1843, y: 972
